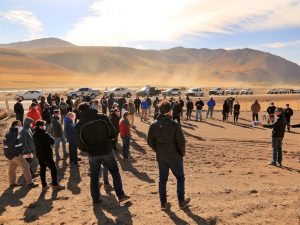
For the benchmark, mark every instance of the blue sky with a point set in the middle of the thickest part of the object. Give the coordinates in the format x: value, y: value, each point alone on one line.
x: 267, y: 25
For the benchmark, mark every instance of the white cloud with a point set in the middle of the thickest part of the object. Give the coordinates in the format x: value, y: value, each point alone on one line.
x: 27, y: 19
x: 277, y: 45
x: 119, y: 22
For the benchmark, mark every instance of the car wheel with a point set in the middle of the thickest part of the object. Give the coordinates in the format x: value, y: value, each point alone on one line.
x: 74, y: 96
x: 128, y: 95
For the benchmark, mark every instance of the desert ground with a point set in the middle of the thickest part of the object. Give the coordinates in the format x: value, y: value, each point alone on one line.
x: 227, y: 179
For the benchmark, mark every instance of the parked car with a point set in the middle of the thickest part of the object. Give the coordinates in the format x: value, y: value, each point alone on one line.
x: 84, y: 92
x: 171, y: 92
x: 197, y: 92
x: 284, y: 91
x: 246, y: 91
x: 119, y: 92
x: 232, y: 91
x: 29, y: 95
x: 148, y: 91
x: 216, y: 91
x: 295, y: 91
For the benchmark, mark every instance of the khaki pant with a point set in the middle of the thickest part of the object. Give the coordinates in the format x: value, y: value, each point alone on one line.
x: 144, y: 114
x: 13, y: 165
x: 131, y: 120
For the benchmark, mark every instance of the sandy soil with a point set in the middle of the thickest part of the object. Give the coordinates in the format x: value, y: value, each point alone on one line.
x: 227, y: 178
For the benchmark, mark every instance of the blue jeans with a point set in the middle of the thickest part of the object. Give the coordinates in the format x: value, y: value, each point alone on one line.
x: 178, y: 171
x: 57, y: 141
x: 108, y: 161
x: 126, y: 145
x: 277, y: 150
x: 199, y: 114
x: 210, y: 111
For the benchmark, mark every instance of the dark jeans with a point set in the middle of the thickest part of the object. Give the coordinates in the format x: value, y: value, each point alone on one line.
x: 126, y: 146
x: 236, y: 116
x: 178, y: 171
x: 254, y: 117
x: 20, y: 117
x: 73, y: 153
x: 137, y: 109
x: 104, y: 110
x: 177, y: 117
x: 44, y: 163
x: 115, y: 142
x: 288, y: 123
x: 277, y: 150
x: 109, y: 161
x: 105, y: 175
x: 225, y: 115
x: 188, y: 113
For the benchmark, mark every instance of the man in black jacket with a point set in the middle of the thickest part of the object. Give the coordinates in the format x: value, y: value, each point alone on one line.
x: 166, y: 138
x: 277, y: 136
x: 288, y: 113
x: 199, y: 105
x: 94, y: 134
x: 121, y: 102
x: 137, y: 103
x: 19, y: 110
x: 271, y: 110
x: 46, y: 116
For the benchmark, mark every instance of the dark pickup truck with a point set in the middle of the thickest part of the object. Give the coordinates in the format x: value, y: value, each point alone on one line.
x: 148, y: 91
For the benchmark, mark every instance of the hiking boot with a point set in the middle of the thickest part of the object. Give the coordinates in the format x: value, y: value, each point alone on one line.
x: 57, y: 187
x: 124, y: 198
x: 183, y: 204
x: 164, y: 206
x: 272, y: 164
x: 96, y: 202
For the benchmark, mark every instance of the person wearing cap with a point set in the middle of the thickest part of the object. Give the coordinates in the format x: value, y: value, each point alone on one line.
x: 271, y: 112
x: 255, y: 108
x: 199, y: 106
x: 189, y: 108
x: 288, y: 113
x: 166, y: 138
x: 43, y: 144
x: 125, y: 134
x: 58, y: 135
x: 34, y: 113
x: 19, y: 110
x: 278, y: 132
x: 46, y: 116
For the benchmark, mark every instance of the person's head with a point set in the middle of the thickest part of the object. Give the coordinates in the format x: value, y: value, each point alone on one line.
x: 34, y: 101
x: 47, y: 106
x: 53, y: 103
x: 237, y: 102
x: 211, y: 98
x: 41, y: 124
x: 62, y: 100
x: 115, y: 105
x: 16, y: 123
x: 116, y: 111
x: 34, y: 105
x: 176, y: 103
x: 272, y: 103
x: 256, y: 101
x: 125, y: 106
x: 165, y: 107
x: 56, y: 112
x: 84, y: 107
x: 199, y: 99
x: 43, y: 99
x: 278, y: 111
x: 287, y: 105
x: 126, y: 115
x: 19, y: 99
x: 157, y: 98
x: 71, y: 115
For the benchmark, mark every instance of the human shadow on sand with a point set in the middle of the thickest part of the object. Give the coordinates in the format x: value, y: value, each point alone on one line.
x: 136, y: 146
x: 127, y: 166
x: 212, y: 124
x: 193, y: 136
x: 289, y: 169
x: 11, y: 198
x: 140, y: 133
x: 74, y: 180
x: 112, y: 206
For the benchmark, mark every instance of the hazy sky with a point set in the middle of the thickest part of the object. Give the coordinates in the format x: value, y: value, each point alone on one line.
x: 268, y: 25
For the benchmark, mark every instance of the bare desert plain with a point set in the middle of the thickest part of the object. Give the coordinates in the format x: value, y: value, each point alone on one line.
x: 227, y: 179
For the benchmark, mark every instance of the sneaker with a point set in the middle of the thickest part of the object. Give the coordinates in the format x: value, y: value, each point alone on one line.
x: 124, y: 198
x: 96, y: 202
x: 58, y: 187
x: 32, y: 185
x: 184, y: 203
x: 165, y: 206
x: 272, y: 164
x: 279, y: 164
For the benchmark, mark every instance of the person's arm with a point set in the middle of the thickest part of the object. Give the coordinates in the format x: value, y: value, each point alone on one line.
x: 272, y: 125
x: 50, y: 139
x: 180, y: 141
x: 112, y: 133
x: 151, y: 138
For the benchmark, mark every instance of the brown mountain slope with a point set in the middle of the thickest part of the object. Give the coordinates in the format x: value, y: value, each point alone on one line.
x: 39, y: 43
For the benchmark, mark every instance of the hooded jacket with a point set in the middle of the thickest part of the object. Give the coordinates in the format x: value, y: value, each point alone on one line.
x: 166, y: 138
x: 42, y: 141
x: 124, y: 128
x: 34, y: 114
x: 26, y: 137
x: 94, y: 133
x: 56, y: 128
x: 211, y: 103
x: 11, y: 144
x: 69, y: 130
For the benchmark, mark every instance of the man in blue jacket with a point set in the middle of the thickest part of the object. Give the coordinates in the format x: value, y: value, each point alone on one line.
x: 145, y: 107
x: 211, y: 105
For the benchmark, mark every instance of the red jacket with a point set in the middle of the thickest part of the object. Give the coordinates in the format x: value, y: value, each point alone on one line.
x: 35, y: 115
x: 124, y: 128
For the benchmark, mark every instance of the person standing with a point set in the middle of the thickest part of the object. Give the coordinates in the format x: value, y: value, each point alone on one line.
x: 288, y: 113
x: 149, y: 103
x: 42, y: 104
x: 69, y: 129
x: 19, y: 110
x: 49, y: 99
x: 277, y: 136
x: 43, y: 144
x: 137, y: 103
x: 70, y: 103
x: 271, y: 112
x: 236, y: 111
x: 199, y: 105
x: 115, y: 119
x: 155, y: 105
x: 12, y: 151
x: 189, y: 108
x: 34, y: 113
x: 166, y: 138
x: 176, y: 112
x: 122, y: 102
x: 46, y: 116
x: 111, y: 100
x: 104, y: 104
x: 145, y: 108
x: 125, y: 135
x: 58, y: 135
x: 131, y: 112
x: 211, y: 105
x: 94, y: 134
x: 255, y: 108
x: 63, y: 107
x: 225, y: 111
x: 76, y: 104
x: 181, y: 104
x: 26, y: 138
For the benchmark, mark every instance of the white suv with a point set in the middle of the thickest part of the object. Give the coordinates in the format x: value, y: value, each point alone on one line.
x: 246, y: 91
x: 232, y: 91
x: 119, y: 92
x: 216, y: 91
x: 29, y: 95
x: 197, y: 92
x: 171, y: 92
x: 84, y: 92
